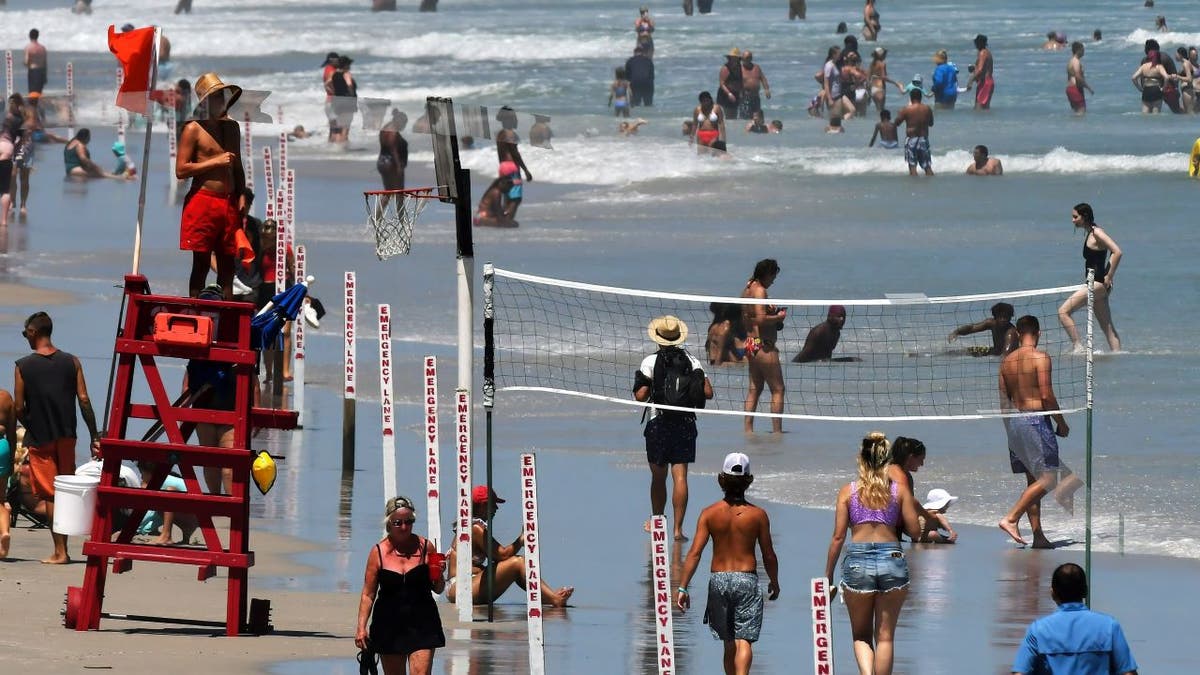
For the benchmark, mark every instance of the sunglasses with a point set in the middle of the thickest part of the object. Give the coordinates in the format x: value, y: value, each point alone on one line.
x: 403, y: 521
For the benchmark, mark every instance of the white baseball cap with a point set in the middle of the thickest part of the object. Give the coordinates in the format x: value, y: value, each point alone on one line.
x: 938, y: 499
x: 736, y: 464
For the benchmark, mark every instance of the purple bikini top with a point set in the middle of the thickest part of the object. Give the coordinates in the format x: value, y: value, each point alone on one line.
x: 889, y: 515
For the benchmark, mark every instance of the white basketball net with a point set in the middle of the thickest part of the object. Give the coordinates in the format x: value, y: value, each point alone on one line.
x: 391, y: 216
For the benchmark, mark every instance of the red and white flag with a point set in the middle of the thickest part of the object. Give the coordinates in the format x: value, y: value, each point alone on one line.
x: 137, y: 51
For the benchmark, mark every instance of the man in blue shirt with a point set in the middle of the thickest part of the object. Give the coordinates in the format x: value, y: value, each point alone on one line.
x: 1074, y: 639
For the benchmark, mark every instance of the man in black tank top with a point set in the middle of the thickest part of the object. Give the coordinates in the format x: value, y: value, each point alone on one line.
x: 46, y: 386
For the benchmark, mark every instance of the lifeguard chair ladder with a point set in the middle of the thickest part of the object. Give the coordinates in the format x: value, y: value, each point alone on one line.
x: 135, y: 344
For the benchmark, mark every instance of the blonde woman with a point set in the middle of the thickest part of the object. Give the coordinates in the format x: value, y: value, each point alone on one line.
x: 874, y: 572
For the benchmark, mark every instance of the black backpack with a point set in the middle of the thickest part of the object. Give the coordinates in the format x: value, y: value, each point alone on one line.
x: 676, y: 382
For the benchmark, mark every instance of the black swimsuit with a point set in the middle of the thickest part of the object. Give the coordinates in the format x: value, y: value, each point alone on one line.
x: 405, y: 616
x: 1095, y: 260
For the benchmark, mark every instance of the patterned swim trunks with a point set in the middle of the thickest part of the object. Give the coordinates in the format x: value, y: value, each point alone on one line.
x: 735, y: 606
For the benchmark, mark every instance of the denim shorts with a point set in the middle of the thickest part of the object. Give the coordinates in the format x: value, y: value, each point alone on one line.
x: 874, y: 567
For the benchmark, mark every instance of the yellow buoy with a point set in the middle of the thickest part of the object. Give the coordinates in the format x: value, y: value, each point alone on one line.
x: 1194, y: 164
x: 263, y: 471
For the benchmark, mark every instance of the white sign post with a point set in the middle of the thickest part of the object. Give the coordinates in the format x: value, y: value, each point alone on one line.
x: 349, y: 396
x: 289, y: 199
x: 298, y: 352
x: 385, y: 401
x: 8, y: 74
x: 433, y: 505
x: 172, y: 151
x: 533, y: 563
x: 660, y: 556
x: 268, y: 178
x: 70, y: 100
x: 248, y: 151
x: 822, y: 628
x: 462, y: 514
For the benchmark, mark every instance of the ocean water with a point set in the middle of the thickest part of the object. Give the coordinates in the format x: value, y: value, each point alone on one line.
x: 843, y: 220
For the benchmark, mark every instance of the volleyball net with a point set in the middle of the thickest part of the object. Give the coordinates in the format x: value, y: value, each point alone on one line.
x: 895, y: 357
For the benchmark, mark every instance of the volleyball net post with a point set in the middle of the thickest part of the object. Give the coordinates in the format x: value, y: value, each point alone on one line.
x: 1090, y: 379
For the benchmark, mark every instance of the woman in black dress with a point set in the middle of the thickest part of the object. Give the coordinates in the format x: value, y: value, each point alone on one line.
x: 397, y: 595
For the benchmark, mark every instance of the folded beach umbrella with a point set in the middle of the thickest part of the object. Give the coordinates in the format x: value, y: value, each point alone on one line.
x: 266, y: 326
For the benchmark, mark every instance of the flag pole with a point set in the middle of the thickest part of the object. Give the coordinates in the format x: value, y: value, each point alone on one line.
x: 141, y: 212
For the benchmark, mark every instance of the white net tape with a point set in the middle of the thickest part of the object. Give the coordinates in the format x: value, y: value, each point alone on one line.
x: 391, y: 217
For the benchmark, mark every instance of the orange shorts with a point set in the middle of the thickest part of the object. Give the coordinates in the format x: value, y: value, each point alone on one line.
x: 210, y: 223
x: 48, y: 460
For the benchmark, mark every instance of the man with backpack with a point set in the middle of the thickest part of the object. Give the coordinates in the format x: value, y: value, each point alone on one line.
x: 670, y: 377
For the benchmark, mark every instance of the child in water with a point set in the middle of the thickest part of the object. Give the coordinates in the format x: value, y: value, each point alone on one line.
x: 885, y: 130
x: 618, y: 94
x: 125, y: 167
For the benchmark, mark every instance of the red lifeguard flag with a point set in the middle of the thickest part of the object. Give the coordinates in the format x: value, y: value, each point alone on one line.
x: 135, y: 49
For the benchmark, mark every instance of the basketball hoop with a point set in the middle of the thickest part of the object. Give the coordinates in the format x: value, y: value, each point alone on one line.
x: 391, y: 214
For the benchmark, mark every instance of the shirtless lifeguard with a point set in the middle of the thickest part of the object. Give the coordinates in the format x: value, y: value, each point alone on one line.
x: 762, y: 323
x: 209, y: 154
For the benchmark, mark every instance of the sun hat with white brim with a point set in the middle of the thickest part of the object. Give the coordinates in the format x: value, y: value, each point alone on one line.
x: 668, y: 330
x: 938, y: 499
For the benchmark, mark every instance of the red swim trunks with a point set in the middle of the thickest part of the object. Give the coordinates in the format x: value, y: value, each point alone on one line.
x: 1075, y: 98
x: 56, y: 458
x: 983, y: 95
x: 707, y: 136
x: 210, y: 223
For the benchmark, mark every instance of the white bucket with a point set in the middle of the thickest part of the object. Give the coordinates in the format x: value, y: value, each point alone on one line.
x: 74, y: 504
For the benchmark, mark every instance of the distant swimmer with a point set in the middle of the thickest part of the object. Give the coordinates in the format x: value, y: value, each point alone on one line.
x: 982, y: 74
x: 35, y: 64
x: 1055, y: 40
x: 1026, y: 387
x: 627, y: 128
x: 823, y: 338
x: 644, y: 27
x: 540, y: 132
x: 835, y: 126
x: 885, y: 131
x: 878, y: 78
x: 1151, y: 78
x: 1186, y: 77
x: 871, y: 25
x: 757, y: 125
x: 1097, y: 35
x: 1160, y: 24
x: 797, y: 9
x: 1076, y: 82
x: 729, y: 84
x: 1004, y: 333
x: 753, y: 79
x: 618, y: 94
x: 507, y: 140
x: 777, y: 126
x: 1101, y: 255
x: 984, y: 165
x: 917, y: 118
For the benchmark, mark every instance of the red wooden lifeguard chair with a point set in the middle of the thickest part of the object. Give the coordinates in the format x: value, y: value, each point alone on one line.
x: 180, y: 337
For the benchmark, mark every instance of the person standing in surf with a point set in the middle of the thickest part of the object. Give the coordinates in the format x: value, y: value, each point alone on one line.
x: 1101, y: 255
x: 762, y: 323
x: 1076, y: 82
x: 213, y: 210
x: 982, y: 74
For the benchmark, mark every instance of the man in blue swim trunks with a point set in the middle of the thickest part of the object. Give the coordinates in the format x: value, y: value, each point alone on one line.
x: 1026, y: 386
x: 735, y: 604
x: 917, y: 118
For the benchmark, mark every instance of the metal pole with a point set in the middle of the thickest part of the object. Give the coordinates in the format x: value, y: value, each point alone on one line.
x: 489, y: 398
x: 1087, y: 549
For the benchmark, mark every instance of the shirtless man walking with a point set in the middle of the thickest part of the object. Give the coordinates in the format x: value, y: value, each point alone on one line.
x: 735, y: 605
x: 753, y: 79
x: 1076, y: 84
x: 762, y: 324
x: 982, y: 75
x: 1026, y: 386
x: 35, y: 64
x: 917, y: 118
x: 209, y: 154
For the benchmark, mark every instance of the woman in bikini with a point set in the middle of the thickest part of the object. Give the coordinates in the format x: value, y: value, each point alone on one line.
x: 1151, y: 78
x: 878, y: 78
x: 1187, y: 79
x: 871, y: 25
x: 1102, y: 255
x: 710, y: 124
x: 762, y: 323
x: 618, y: 94
x: 854, y: 82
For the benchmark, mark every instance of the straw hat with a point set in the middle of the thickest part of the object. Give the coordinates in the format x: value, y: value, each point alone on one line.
x: 668, y: 330
x: 735, y: 52
x: 209, y: 83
